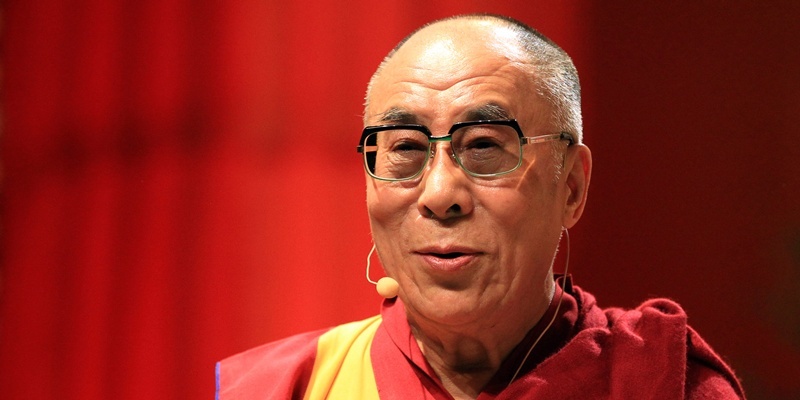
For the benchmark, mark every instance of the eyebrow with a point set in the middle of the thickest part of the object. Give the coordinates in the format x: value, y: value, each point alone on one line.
x: 490, y: 111
x: 398, y: 116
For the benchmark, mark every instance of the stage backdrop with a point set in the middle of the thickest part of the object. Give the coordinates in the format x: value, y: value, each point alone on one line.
x: 180, y: 181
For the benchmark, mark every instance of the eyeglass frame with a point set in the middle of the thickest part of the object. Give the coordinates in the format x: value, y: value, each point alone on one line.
x: 523, y: 140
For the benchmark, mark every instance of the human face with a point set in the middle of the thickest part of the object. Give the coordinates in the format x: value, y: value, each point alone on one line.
x: 466, y: 250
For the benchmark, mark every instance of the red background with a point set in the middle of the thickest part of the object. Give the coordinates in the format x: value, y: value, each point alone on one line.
x: 180, y: 181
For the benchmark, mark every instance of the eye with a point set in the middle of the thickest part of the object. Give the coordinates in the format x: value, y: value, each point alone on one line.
x: 482, y: 137
x: 481, y: 143
x: 402, y: 141
x: 408, y: 144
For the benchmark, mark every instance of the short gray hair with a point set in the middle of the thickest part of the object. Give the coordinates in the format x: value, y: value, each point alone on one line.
x: 554, y: 74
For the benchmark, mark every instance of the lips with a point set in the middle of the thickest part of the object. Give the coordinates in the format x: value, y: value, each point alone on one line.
x: 448, y: 259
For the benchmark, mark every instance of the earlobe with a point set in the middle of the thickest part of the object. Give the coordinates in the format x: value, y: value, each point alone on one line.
x: 578, y: 173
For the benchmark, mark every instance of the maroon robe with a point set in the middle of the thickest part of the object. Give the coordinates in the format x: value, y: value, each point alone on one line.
x: 588, y: 353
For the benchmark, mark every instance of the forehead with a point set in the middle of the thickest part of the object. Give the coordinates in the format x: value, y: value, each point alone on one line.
x: 447, y: 70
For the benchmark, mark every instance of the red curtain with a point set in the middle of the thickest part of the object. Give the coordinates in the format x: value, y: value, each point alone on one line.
x: 180, y: 179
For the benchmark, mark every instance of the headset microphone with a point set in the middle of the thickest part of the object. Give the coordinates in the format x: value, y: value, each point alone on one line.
x: 386, y: 287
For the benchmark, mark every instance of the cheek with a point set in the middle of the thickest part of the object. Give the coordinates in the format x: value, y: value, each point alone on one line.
x: 388, y: 208
x: 511, y: 217
x: 521, y: 213
x: 389, y: 217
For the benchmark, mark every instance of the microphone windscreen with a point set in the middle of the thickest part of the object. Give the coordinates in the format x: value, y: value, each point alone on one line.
x: 387, y: 287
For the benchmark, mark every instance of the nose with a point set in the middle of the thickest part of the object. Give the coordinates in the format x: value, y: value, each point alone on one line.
x: 445, y: 187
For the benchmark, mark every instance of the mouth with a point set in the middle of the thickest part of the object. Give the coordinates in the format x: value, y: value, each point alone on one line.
x: 448, y: 256
x: 447, y: 260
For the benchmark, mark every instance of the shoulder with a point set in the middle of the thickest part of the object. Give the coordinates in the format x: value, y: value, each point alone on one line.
x: 284, y: 368
x: 659, y: 320
x: 656, y: 321
x: 273, y: 370
x: 707, y: 375
x: 654, y: 345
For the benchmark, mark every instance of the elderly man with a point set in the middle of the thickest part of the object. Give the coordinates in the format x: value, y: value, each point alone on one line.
x: 475, y: 170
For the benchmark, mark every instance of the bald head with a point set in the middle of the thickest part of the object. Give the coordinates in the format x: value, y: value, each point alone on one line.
x: 466, y: 38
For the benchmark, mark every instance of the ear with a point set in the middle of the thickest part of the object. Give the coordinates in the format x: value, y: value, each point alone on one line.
x: 577, y: 174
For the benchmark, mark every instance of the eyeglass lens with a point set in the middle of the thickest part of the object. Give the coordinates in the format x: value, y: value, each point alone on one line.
x: 482, y: 150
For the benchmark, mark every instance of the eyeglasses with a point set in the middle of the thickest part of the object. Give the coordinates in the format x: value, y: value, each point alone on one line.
x: 481, y: 148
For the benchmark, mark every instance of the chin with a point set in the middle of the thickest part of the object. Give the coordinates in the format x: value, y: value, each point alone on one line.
x: 449, y: 307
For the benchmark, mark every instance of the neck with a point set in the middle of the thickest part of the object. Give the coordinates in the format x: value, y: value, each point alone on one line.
x: 467, y: 357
